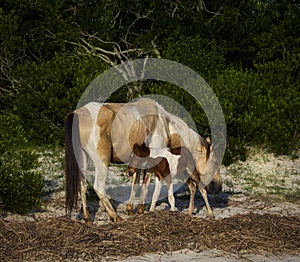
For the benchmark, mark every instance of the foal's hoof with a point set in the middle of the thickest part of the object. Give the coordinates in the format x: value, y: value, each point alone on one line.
x: 140, y: 209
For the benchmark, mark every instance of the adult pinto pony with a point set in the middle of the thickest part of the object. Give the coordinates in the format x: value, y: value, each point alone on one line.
x: 107, y: 132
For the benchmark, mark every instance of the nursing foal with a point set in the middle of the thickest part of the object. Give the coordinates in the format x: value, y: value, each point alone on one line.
x: 165, y: 165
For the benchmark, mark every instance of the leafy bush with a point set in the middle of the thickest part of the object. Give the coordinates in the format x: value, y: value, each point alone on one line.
x: 202, y: 55
x: 21, y: 187
x: 248, y: 51
x: 48, y: 91
x: 20, y: 190
x: 280, y: 104
x: 258, y: 111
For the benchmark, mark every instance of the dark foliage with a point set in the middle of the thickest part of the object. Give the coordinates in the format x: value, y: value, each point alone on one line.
x: 248, y: 51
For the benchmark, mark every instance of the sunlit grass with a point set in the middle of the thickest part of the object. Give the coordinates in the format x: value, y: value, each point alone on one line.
x: 272, y: 184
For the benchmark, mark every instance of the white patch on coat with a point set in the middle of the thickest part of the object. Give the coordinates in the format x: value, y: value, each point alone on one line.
x: 157, y: 139
x: 156, y: 143
x: 135, y: 112
x: 94, y: 109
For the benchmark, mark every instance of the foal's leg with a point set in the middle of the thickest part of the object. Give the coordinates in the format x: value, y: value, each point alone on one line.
x: 134, y: 188
x: 144, y: 193
x: 204, y: 195
x: 158, y: 186
x: 171, y: 198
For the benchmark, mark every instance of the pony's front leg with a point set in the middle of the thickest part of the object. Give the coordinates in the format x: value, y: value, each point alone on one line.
x: 134, y: 188
x: 204, y: 195
x: 99, y: 187
x: 158, y: 186
x: 144, y: 193
x: 171, y: 198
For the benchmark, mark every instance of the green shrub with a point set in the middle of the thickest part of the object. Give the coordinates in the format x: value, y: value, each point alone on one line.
x: 20, y: 185
x: 280, y: 104
x: 50, y: 90
x: 259, y: 109
x: 20, y: 190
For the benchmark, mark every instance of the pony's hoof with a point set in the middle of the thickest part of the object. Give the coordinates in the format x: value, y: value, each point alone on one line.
x: 130, y: 213
x: 211, y: 216
x: 89, y: 222
x: 140, y: 209
x: 118, y: 219
x: 129, y: 210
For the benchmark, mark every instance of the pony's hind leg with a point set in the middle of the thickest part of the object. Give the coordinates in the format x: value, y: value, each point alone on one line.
x: 134, y: 188
x: 82, y: 163
x: 83, y: 189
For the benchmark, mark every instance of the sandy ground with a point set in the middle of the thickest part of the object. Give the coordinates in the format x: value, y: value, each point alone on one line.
x: 240, y: 195
x: 211, y: 256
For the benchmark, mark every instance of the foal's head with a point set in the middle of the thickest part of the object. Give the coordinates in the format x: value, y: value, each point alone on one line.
x: 138, y: 158
x: 141, y: 150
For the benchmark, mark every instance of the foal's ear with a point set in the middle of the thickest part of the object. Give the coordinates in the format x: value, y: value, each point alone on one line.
x: 144, y: 147
x: 208, y: 140
x: 135, y: 147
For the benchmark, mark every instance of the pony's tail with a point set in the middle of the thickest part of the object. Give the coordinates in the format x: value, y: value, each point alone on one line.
x: 72, y: 170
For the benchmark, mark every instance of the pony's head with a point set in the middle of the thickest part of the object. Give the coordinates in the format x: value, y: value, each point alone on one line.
x: 215, y: 186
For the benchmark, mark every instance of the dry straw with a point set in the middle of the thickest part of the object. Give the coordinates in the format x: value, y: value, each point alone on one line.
x: 65, y: 239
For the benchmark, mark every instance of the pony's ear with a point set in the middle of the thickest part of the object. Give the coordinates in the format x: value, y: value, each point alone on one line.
x: 208, y: 140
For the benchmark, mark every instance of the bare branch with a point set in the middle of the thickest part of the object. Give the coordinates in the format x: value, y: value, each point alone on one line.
x: 144, y: 67
x: 138, y: 17
x: 115, y: 19
x: 7, y: 63
x: 112, y: 53
x: 50, y: 34
x: 203, y: 7
x: 155, y: 49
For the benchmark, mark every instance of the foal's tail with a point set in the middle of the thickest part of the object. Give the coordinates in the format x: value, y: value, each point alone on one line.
x: 72, y: 170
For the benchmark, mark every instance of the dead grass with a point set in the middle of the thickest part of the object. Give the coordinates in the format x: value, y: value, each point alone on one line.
x: 64, y: 239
